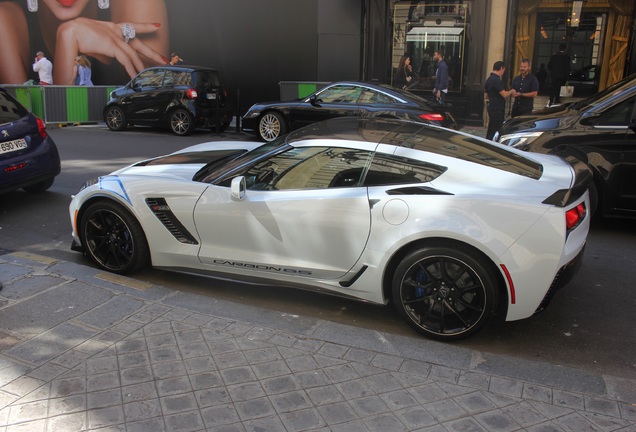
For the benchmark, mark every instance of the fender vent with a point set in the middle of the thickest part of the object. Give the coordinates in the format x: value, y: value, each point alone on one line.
x: 160, y: 208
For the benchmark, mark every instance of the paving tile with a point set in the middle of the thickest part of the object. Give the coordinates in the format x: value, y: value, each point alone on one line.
x: 323, y: 395
x: 218, y: 415
x: 339, y: 412
x: 291, y: 401
x: 142, y: 410
x: 103, y: 399
x: 302, y: 420
x: 601, y: 406
x: 178, y: 403
x: 254, y: 408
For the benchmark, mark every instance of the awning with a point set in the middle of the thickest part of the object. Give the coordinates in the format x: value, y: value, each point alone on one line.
x: 434, y: 34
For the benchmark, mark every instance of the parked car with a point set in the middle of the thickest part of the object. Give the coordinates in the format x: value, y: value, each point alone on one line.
x: 600, y: 130
x: 29, y: 158
x: 450, y: 227
x: 181, y: 98
x: 269, y: 120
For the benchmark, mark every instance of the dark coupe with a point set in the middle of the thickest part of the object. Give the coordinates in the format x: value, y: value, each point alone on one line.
x: 269, y: 120
x: 600, y: 130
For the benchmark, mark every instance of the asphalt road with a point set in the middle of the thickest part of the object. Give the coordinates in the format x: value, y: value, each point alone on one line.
x: 589, y: 324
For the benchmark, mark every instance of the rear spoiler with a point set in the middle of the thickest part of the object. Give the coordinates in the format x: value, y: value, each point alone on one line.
x: 582, y: 180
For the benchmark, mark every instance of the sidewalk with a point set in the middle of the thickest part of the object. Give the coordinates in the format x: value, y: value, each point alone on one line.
x: 83, y: 350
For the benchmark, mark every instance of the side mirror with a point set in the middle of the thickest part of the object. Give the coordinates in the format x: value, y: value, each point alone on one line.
x: 314, y: 100
x: 238, y: 188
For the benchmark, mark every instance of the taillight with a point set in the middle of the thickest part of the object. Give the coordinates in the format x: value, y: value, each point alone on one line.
x: 191, y: 93
x: 432, y: 117
x: 41, y: 127
x: 574, y: 216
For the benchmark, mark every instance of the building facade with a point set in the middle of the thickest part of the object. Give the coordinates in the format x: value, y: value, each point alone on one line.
x: 473, y: 34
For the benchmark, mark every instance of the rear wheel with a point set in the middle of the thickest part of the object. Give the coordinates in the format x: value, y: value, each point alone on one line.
x: 271, y: 126
x: 113, y: 238
x: 115, y: 119
x: 445, y: 291
x: 181, y: 122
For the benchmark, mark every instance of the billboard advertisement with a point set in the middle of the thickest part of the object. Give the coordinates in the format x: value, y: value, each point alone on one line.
x: 254, y: 44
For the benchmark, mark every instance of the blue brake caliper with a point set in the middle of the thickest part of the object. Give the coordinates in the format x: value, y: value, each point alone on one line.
x: 420, y: 278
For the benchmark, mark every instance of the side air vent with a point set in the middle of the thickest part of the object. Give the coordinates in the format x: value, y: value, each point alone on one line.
x: 160, y: 208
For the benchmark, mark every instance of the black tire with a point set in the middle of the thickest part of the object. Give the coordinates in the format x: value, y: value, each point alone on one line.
x: 181, y: 122
x: 113, y: 238
x: 40, y: 186
x: 115, y: 119
x: 271, y: 125
x: 445, y: 292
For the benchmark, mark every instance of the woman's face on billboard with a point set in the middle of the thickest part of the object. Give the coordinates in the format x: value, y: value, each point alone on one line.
x: 65, y: 10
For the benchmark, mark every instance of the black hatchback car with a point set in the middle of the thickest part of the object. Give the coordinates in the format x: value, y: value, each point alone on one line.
x: 600, y: 130
x: 181, y: 98
x: 273, y: 119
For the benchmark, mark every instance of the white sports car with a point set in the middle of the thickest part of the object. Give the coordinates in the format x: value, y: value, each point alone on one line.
x: 450, y: 227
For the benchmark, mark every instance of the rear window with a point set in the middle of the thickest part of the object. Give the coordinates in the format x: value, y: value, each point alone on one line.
x: 10, y: 109
x: 449, y: 143
x: 206, y: 79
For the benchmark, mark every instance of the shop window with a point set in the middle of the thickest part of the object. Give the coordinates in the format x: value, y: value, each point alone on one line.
x: 420, y: 29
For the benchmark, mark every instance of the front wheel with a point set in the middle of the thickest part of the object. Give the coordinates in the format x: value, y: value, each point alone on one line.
x: 181, y: 122
x: 115, y: 119
x: 271, y: 126
x: 445, y: 292
x: 113, y: 238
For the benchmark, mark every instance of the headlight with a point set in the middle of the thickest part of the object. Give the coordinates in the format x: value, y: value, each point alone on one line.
x: 519, y: 140
x: 89, y: 183
x: 253, y: 114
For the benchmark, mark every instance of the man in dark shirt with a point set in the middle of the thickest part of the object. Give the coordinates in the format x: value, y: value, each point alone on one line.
x: 441, y: 78
x: 559, y: 67
x: 526, y: 88
x: 495, y: 96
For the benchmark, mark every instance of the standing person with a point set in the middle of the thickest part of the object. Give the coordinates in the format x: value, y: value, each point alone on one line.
x: 526, y: 88
x: 44, y: 68
x: 175, y: 59
x: 82, y: 72
x: 495, y: 96
x: 441, y: 78
x: 559, y: 68
x: 404, y: 77
x: 542, y: 76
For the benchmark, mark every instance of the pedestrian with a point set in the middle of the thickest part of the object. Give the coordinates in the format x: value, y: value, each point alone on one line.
x: 44, y: 68
x: 82, y: 72
x: 542, y: 76
x: 495, y: 96
x: 175, y: 59
x: 559, y: 68
x: 441, y: 78
x: 526, y: 88
x: 405, y: 77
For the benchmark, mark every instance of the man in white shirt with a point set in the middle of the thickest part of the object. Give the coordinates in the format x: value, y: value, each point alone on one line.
x: 44, y: 68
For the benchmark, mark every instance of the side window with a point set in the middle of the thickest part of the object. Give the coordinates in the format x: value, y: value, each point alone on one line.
x: 388, y: 170
x: 168, y: 79
x: 309, y: 168
x: 373, y: 97
x: 618, y: 115
x: 340, y: 94
x: 149, y: 78
x: 183, y: 79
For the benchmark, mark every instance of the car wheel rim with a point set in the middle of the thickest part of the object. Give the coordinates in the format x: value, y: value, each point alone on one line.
x: 109, y: 240
x: 443, y: 295
x: 269, y: 127
x: 114, y: 118
x: 180, y: 123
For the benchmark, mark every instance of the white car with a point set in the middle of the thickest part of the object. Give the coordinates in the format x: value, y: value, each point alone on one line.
x: 451, y: 227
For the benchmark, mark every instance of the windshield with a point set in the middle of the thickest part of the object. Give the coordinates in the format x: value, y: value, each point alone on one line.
x: 224, y: 171
x: 613, y: 90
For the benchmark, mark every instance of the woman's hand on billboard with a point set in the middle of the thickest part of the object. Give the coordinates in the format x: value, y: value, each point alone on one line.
x: 105, y: 41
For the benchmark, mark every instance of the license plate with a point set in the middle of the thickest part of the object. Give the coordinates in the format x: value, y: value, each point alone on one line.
x: 211, y: 95
x: 11, y: 146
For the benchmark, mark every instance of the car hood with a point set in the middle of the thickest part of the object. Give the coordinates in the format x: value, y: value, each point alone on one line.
x: 561, y: 117
x: 185, y: 163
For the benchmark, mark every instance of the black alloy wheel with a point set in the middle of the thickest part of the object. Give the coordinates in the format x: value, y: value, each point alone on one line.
x: 115, y: 119
x: 113, y: 238
x: 445, y: 292
x: 181, y: 122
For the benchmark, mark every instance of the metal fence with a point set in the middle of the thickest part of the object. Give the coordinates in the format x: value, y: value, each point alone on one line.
x: 63, y: 104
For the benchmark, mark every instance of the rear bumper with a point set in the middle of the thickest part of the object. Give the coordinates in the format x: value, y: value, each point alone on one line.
x: 561, y: 279
x: 40, y: 165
